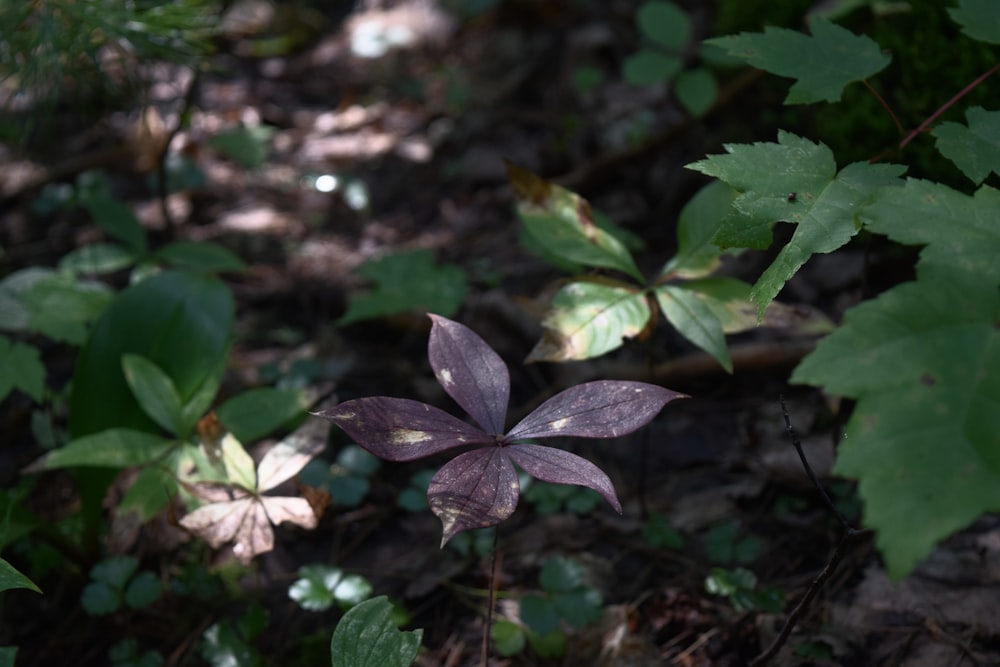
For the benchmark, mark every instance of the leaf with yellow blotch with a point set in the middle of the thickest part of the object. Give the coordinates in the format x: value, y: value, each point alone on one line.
x: 238, y: 512
x: 563, y: 223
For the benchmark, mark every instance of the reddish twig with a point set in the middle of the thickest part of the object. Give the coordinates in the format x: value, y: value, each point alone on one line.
x: 947, y: 105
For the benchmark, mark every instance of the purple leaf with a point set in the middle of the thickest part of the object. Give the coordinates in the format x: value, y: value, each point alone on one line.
x: 477, y: 489
x: 398, y: 429
x: 471, y: 372
x: 559, y: 467
x: 602, y: 409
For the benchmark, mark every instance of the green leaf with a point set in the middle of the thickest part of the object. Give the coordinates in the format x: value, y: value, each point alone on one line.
x: 975, y: 148
x: 100, y: 599
x: 115, y: 571
x: 21, y: 368
x: 664, y: 23
x: 10, y: 578
x: 560, y: 574
x: 61, y: 307
x: 793, y: 180
x: 255, y: 413
x: 960, y: 231
x: 562, y: 222
x: 647, y: 67
x: 696, y: 90
x: 979, y: 19
x: 319, y: 586
x: 822, y: 64
x: 143, y: 590
x: 540, y: 614
x: 112, y: 448
x: 923, y: 362
x: 200, y: 256
x: 248, y: 146
x: 202, y: 396
x: 179, y: 321
x: 155, y: 392
x: 551, y: 645
x: 223, y: 646
x: 407, y: 282
x: 579, y: 607
x: 508, y: 638
x: 589, y: 319
x: 8, y: 654
x: 660, y: 534
x: 239, y: 465
x: 697, y: 226
x: 152, y: 489
x: 367, y: 637
x: 694, y: 319
x: 116, y: 219
x: 97, y: 259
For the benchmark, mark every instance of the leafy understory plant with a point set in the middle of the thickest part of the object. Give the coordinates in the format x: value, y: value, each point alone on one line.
x: 593, y: 314
x: 479, y: 488
x: 319, y: 586
x: 116, y: 581
x: 922, y: 359
x: 367, y: 637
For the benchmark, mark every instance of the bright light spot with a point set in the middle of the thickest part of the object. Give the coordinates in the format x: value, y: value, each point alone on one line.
x: 326, y: 183
x: 559, y: 423
x: 373, y: 38
x: 446, y: 377
x: 356, y: 196
x: 405, y: 436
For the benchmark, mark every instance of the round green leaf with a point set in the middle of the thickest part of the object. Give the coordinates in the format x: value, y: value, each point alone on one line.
x: 143, y: 590
x: 664, y: 23
x: 200, y: 256
x: 115, y: 571
x: 648, y: 67
x: 539, y: 614
x: 97, y: 259
x: 508, y: 638
x: 561, y: 574
x: 696, y: 90
x: 99, y: 599
x: 253, y: 414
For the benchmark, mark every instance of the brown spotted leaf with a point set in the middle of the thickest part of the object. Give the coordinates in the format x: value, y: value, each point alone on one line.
x: 474, y: 490
x: 471, y: 372
x: 600, y: 409
x: 398, y: 429
x: 559, y: 467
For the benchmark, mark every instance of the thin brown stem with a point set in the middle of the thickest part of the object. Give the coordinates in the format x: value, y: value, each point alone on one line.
x: 885, y: 105
x: 491, y: 602
x: 947, y: 105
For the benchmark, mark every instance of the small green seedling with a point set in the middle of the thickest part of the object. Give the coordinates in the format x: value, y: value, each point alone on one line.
x: 347, y: 480
x: 667, y: 31
x: 115, y: 582
x: 739, y: 586
x: 724, y: 544
x: 552, y: 498
x: 126, y: 654
x: 367, y: 637
x: 406, y: 282
x: 658, y: 532
x: 565, y: 599
x: 320, y: 586
x: 225, y: 644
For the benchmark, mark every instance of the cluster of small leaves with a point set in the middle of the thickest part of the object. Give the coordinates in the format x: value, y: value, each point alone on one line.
x: 227, y: 642
x: 725, y: 543
x: 347, y: 479
x: 566, y: 598
x: 320, y: 586
x: 593, y: 314
x: 739, y: 586
x: 480, y: 488
x: 406, y: 282
x: 667, y: 31
x: 921, y: 359
x: 116, y: 581
x: 126, y: 653
x: 552, y: 498
x: 659, y: 533
x: 367, y: 637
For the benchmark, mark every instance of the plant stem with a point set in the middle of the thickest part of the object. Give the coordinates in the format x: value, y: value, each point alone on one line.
x: 491, y: 602
x: 947, y: 105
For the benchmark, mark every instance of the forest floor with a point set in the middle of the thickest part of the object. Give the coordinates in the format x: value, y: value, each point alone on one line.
x: 417, y: 140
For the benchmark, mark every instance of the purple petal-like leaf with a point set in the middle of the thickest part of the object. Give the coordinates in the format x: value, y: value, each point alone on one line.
x: 471, y: 372
x: 560, y: 467
x: 477, y: 489
x: 602, y: 409
x: 398, y: 429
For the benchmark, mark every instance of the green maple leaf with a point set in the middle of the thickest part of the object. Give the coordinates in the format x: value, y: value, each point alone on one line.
x: 793, y: 181
x: 823, y: 64
x: 974, y: 148
x: 979, y: 19
x: 922, y: 361
x: 960, y: 231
